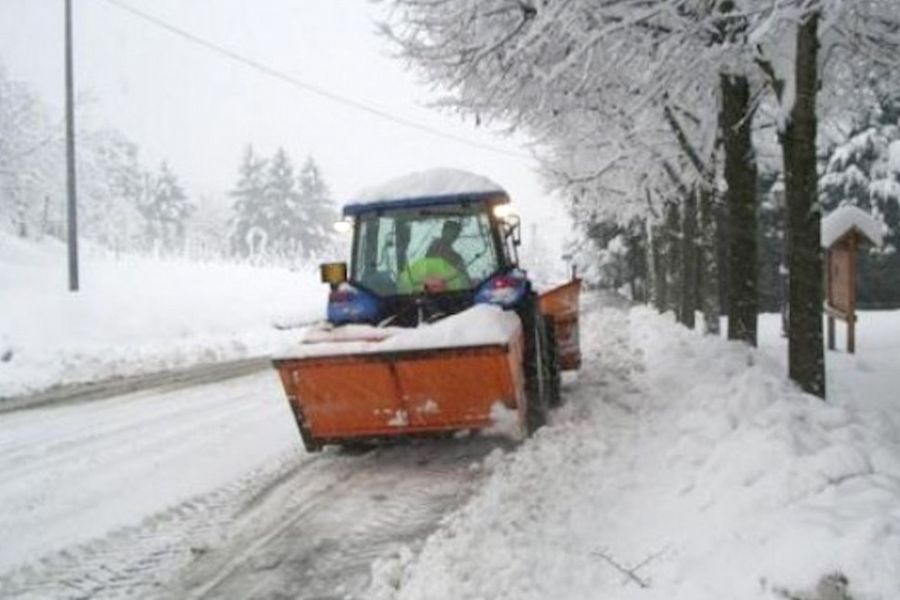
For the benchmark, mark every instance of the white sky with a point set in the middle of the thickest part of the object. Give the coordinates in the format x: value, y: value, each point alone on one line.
x: 198, y: 110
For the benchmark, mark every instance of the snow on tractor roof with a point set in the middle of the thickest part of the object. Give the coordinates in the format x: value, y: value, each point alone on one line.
x: 427, y: 188
x: 844, y: 219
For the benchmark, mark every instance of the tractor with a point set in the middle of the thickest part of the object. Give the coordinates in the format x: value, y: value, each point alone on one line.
x: 434, y: 327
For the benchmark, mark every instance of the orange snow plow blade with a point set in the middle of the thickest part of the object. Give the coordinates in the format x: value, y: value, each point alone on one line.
x: 562, y: 304
x: 385, y: 394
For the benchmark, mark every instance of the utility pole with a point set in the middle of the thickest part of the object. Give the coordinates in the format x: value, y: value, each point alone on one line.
x: 70, y: 157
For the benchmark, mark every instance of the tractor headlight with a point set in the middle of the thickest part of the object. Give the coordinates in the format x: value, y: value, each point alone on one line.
x: 343, y: 226
x: 502, y: 211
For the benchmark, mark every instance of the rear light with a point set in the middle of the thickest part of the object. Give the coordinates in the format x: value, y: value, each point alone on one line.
x: 505, y: 290
x: 504, y: 281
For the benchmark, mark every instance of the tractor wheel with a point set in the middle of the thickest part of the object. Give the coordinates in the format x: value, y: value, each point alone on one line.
x: 554, y: 378
x: 535, y: 359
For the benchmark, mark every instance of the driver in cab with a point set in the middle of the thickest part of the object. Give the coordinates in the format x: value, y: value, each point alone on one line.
x: 441, y: 269
x: 442, y: 248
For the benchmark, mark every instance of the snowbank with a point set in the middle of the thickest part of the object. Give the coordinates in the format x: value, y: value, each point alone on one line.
x: 480, y: 325
x: 435, y: 182
x: 136, y: 314
x: 682, y: 468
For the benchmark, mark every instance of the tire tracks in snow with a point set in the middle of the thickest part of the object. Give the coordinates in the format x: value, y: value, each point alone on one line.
x: 322, y: 545
x: 306, y: 527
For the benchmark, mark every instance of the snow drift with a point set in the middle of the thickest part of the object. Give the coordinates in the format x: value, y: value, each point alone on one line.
x: 683, y: 468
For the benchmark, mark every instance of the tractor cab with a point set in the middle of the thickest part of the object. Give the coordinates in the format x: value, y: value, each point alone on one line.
x: 418, y: 259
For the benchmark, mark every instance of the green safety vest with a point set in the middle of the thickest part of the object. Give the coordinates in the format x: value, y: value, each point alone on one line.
x: 412, y: 278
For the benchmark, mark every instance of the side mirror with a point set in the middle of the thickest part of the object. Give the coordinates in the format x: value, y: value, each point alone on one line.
x: 333, y: 273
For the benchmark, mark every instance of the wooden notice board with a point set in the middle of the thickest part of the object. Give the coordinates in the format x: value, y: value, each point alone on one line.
x: 840, y: 264
x: 844, y: 230
x: 840, y: 287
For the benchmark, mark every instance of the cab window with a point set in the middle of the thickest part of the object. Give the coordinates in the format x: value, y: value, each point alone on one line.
x: 402, y: 252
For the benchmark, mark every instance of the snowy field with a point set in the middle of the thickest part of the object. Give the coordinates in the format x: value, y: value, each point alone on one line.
x: 137, y: 315
x: 685, y: 468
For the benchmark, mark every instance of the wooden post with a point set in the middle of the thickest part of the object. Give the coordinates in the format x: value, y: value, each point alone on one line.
x: 830, y: 332
x: 851, y: 313
x: 851, y: 334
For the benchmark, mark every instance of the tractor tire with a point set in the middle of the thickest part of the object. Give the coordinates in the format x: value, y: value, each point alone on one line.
x: 535, y: 366
x: 554, y: 376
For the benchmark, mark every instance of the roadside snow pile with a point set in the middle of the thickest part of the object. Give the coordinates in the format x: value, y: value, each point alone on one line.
x: 479, y: 325
x: 135, y: 314
x: 683, y: 468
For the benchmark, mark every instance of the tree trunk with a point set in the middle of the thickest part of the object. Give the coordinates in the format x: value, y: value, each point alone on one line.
x: 708, y: 272
x: 740, y: 175
x: 658, y: 268
x: 689, y: 260
x: 637, y: 244
x: 806, y: 358
x: 674, y: 272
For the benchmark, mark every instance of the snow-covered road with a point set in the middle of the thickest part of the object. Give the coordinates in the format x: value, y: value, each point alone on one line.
x: 206, y: 492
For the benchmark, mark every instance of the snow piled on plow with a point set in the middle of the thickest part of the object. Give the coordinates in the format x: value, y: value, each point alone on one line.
x: 480, y: 325
x: 682, y: 467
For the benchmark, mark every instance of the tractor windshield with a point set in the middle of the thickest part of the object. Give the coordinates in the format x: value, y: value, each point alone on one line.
x: 435, y: 249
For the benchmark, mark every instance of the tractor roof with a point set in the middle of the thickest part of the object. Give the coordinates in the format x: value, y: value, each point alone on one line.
x: 438, y: 187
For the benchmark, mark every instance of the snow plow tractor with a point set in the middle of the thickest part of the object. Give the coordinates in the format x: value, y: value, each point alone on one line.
x: 434, y: 328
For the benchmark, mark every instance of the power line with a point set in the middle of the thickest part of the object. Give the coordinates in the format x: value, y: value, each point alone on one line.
x: 307, y: 87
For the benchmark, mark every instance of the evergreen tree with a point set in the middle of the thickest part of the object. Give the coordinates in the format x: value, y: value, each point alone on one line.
x: 165, y: 210
x: 281, y: 206
x: 278, y: 213
x: 249, y: 224
x: 317, y: 210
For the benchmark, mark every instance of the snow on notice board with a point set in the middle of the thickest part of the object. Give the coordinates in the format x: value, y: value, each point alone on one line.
x: 435, y: 182
x: 480, y: 325
x: 844, y: 218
